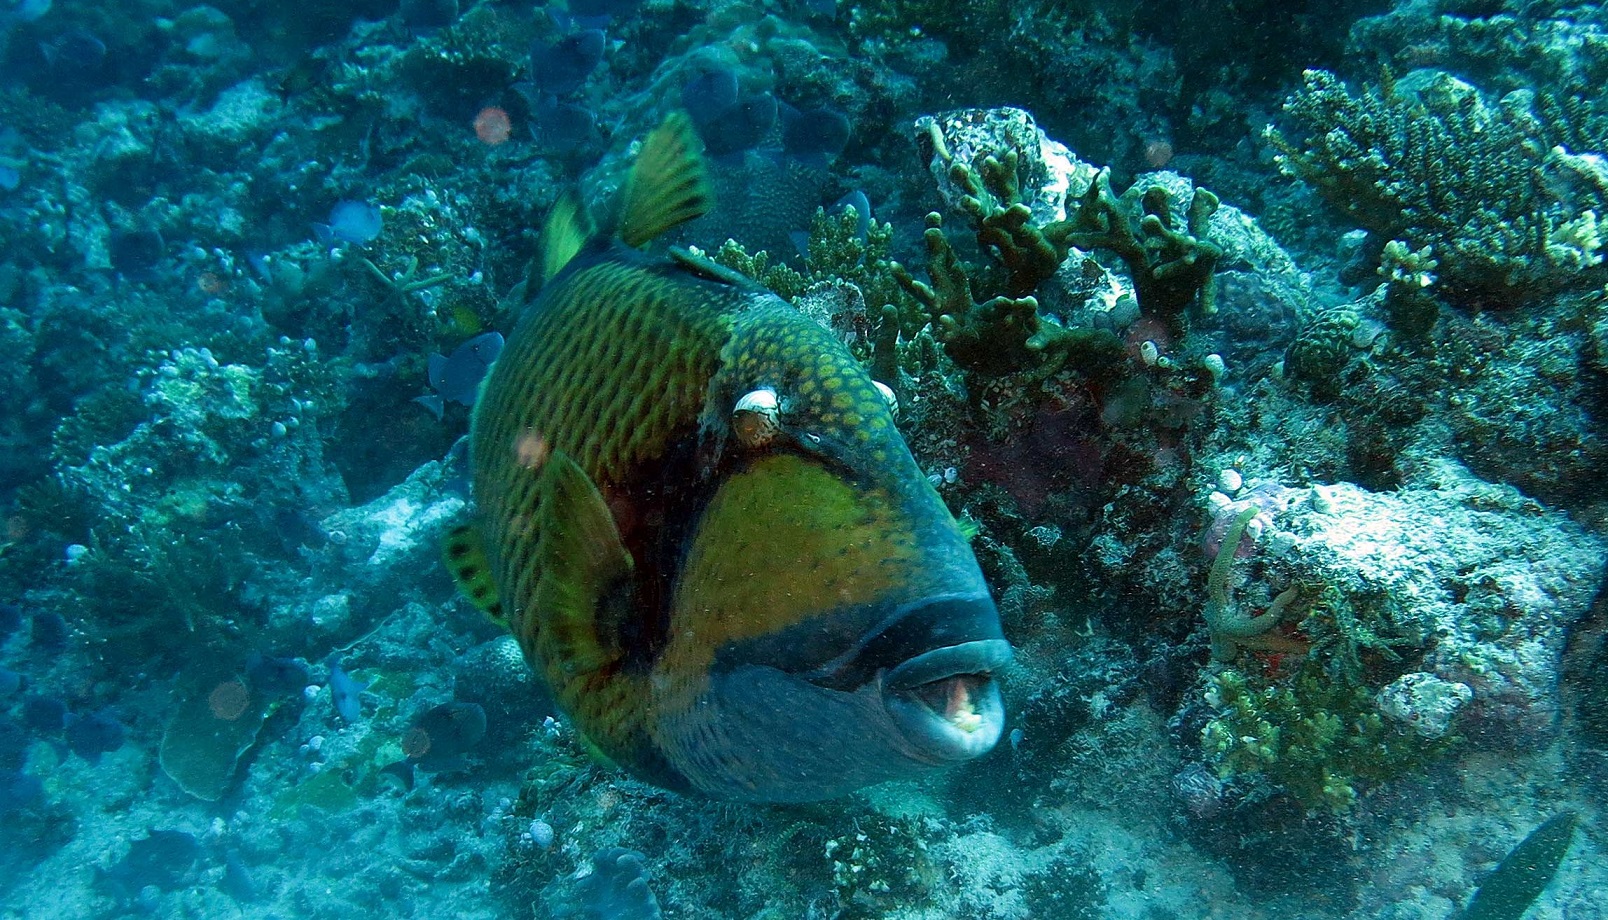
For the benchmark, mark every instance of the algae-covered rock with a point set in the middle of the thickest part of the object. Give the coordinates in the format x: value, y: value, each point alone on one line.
x: 216, y: 722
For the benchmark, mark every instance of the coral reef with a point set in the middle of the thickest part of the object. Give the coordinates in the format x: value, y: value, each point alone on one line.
x: 240, y: 237
x: 1504, y: 196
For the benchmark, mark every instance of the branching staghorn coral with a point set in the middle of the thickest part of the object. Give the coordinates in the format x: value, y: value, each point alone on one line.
x: 1505, y: 197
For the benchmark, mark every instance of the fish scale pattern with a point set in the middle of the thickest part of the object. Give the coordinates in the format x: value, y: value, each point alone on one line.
x: 610, y: 368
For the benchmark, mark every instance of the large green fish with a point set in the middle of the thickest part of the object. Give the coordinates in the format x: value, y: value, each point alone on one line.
x: 693, y: 510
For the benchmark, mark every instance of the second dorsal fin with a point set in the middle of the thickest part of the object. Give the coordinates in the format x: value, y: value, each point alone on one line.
x: 668, y: 185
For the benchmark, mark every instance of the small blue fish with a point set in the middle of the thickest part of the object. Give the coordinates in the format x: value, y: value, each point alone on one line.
x: 50, y: 631
x: 428, y: 15
x: 10, y: 619
x: 458, y: 377
x: 345, y: 692
x: 352, y: 222
x: 95, y: 734
x: 275, y: 675
x: 603, y: 7
x: 562, y: 67
x: 821, y: 132
x: 25, y: 10
x: 135, y: 254
x: 44, y: 713
x: 727, y: 121
x: 560, y: 127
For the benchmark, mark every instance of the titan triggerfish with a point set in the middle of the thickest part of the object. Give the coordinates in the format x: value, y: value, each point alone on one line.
x: 692, y: 508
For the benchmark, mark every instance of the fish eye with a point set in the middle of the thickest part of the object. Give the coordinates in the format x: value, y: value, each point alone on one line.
x: 756, y: 420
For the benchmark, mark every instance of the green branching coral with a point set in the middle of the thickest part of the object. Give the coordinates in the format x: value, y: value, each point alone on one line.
x: 1316, y: 734
x: 1171, y: 264
x: 997, y: 336
x: 987, y: 317
x: 992, y: 200
x: 1315, y: 738
x: 1491, y: 192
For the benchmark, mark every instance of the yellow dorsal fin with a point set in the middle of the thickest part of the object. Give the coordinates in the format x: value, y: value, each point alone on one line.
x: 565, y: 234
x: 668, y: 185
x: 466, y: 560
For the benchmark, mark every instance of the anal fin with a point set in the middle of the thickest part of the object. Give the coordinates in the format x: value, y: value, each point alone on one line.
x: 465, y: 558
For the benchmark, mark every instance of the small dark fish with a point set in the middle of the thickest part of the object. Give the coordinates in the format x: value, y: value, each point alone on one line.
x: 136, y: 253
x: 561, y: 127
x: 441, y: 739
x: 708, y: 95
x: 403, y: 771
x: 457, y: 377
x: 727, y: 121
x: 10, y: 619
x: 562, y: 67
x: 296, y: 528
x: 95, y: 734
x: 237, y: 882
x: 18, y: 790
x: 603, y: 7
x: 13, y: 745
x: 814, y: 131
x: 50, y: 631
x: 44, y: 713
x: 25, y: 11
x: 76, y: 56
x: 428, y: 14
x: 304, y: 75
x: 276, y: 675
x: 163, y: 859
x: 1523, y: 874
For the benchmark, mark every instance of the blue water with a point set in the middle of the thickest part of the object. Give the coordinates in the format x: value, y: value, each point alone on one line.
x: 1260, y: 350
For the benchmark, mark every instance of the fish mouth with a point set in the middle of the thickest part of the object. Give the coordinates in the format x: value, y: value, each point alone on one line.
x: 946, y: 701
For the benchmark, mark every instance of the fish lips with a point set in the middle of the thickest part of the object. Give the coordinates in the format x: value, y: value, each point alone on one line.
x: 947, y: 702
x: 934, y: 661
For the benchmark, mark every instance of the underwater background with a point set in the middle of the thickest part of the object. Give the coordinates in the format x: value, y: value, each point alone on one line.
x: 1260, y: 347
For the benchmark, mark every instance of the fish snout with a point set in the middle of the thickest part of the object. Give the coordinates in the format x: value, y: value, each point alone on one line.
x: 942, y: 694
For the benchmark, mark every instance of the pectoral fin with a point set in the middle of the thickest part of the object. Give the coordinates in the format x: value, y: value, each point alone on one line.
x: 586, y: 575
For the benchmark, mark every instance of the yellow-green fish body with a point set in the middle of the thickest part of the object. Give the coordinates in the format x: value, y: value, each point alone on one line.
x: 707, y: 534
